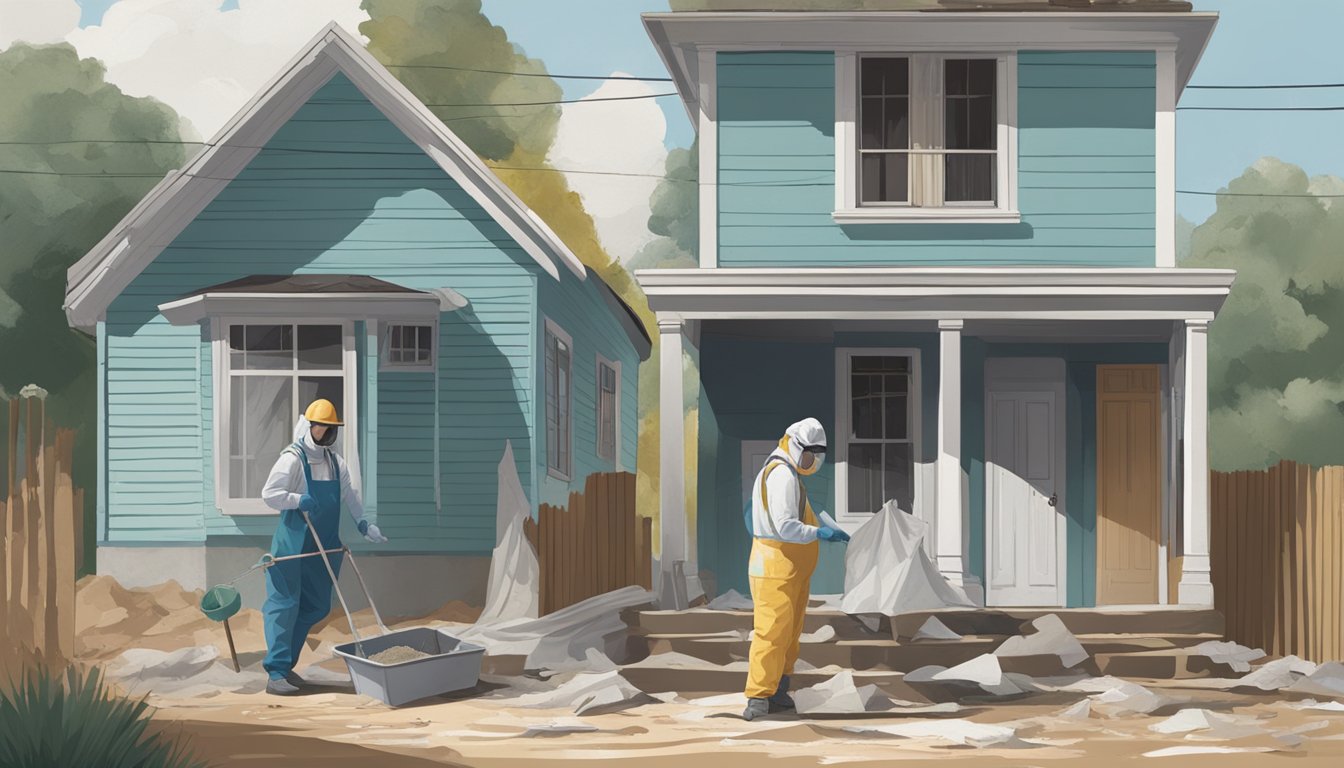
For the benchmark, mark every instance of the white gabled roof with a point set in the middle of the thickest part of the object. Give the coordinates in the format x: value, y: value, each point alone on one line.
x: 98, y: 278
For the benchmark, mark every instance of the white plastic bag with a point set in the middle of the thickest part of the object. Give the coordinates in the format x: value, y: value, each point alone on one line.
x: 512, y: 592
x: 888, y: 572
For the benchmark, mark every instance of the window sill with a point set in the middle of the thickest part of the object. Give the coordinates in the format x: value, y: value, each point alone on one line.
x: 246, y: 508
x: 558, y: 475
x: 926, y: 216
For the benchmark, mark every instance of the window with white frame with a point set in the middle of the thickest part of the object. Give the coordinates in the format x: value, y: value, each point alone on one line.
x: 925, y: 135
x: 559, y: 399
x: 269, y: 372
x: 409, y: 347
x: 876, y: 408
x: 608, y: 406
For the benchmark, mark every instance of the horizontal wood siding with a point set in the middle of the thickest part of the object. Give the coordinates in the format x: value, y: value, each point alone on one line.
x: 1086, y: 186
x: 580, y: 310
x: 369, y: 202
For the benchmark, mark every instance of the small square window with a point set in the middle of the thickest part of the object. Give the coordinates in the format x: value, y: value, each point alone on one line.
x: 408, y: 346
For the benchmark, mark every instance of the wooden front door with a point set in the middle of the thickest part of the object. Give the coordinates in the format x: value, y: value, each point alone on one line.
x: 1129, y: 483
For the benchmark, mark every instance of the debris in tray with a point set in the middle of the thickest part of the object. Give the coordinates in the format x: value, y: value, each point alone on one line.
x: 397, y: 654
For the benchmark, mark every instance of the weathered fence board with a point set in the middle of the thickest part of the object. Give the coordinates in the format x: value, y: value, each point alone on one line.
x: 594, y: 544
x: 1277, y: 556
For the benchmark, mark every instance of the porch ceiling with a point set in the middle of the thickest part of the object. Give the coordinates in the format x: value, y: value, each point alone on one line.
x: 971, y: 294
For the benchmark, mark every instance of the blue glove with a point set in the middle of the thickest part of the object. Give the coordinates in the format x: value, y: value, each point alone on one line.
x: 307, y: 503
x: 831, y: 534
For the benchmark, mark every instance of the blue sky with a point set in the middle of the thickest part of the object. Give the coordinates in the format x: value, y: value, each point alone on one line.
x: 1256, y: 42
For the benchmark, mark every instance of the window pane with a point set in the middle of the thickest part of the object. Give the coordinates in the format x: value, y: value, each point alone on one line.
x: 954, y: 71
x: 237, y: 358
x: 982, y: 124
x: 320, y: 347
x: 870, y: 123
x: 885, y: 178
x: 896, y: 413
x: 262, y: 410
x: 268, y: 347
x: 886, y: 364
x: 884, y: 77
x: 865, y: 477
x: 552, y: 406
x: 982, y: 73
x: 897, y: 475
x: 396, y: 337
x: 866, y: 412
x: 896, y: 123
x: 325, y: 387
x: 970, y: 178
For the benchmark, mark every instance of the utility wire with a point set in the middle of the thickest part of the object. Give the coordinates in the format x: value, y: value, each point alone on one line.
x: 531, y: 74
x: 1282, y: 86
x: 1261, y: 109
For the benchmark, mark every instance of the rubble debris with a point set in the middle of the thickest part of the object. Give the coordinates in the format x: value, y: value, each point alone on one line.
x: 965, y: 733
x: 589, y: 694
x: 1201, y: 750
x: 1325, y: 680
x: 1234, y: 655
x: 887, y: 570
x: 185, y: 673
x: 512, y: 589
x: 824, y: 634
x: 1276, y: 675
x: 1210, y: 724
x: 983, y: 672
x: 1129, y: 698
x: 732, y: 600
x: 1082, y: 710
x: 1051, y: 638
x: 562, y: 636
x: 1312, y: 704
x: 840, y: 696
x: 934, y: 629
x: 398, y: 654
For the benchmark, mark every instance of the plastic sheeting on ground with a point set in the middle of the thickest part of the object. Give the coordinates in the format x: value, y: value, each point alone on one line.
x: 1051, y: 638
x: 562, y: 637
x: 589, y: 694
x: 732, y: 600
x: 888, y: 572
x: 512, y: 591
x: 840, y: 695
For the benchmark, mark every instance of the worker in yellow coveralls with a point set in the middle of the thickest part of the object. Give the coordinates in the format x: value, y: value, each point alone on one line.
x: 784, y: 549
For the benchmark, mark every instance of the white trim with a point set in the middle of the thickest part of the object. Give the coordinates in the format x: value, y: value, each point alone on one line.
x: 1165, y: 158
x: 676, y: 540
x: 848, y: 520
x: 1164, y: 538
x: 102, y: 274
x: 708, y: 174
x: 221, y: 374
x: 950, y: 529
x: 1196, y: 587
x: 926, y: 91
x: 554, y: 329
x: 385, y: 347
x: 290, y: 306
x: 678, y: 36
x: 1020, y: 375
x: 615, y: 366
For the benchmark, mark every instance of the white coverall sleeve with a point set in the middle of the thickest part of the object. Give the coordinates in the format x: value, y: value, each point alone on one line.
x: 285, y: 484
x: 827, y: 520
x: 781, y: 491
x: 349, y: 494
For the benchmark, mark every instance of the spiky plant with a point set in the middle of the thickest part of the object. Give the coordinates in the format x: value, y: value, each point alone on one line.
x: 50, y: 718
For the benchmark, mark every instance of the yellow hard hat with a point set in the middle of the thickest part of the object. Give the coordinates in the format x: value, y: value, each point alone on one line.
x: 323, y: 412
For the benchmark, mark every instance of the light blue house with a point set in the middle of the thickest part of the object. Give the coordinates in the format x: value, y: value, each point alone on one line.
x: 949, y: 235
x: 337, y: 240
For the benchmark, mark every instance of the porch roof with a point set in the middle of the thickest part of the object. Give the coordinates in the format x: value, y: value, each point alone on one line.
x: 937, y: 293
x: 310, y: 296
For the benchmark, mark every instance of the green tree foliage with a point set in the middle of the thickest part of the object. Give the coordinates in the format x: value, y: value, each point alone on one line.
x: 674, y: 214
x: 55, y: 204
x: 1276, y: 351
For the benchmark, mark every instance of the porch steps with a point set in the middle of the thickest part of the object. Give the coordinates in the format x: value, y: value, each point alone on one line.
x: 1143, y: 643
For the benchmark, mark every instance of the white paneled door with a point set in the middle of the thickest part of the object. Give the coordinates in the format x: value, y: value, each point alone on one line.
x: 1024, y: 499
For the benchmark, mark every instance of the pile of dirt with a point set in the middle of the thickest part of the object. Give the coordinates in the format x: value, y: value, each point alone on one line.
x: 397, y: 654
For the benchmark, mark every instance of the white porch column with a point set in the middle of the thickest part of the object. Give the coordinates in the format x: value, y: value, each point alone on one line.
x: 949, y: 528
x: 672, y: 532
x: 1195, y: 587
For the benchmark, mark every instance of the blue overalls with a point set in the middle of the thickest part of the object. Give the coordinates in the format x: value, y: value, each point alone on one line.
x: 298, y: 592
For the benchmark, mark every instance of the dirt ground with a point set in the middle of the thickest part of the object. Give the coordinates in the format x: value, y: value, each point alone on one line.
x: 486, y: 726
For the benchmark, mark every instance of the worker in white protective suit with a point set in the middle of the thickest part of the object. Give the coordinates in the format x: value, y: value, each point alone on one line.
x: 308, y: 479
x: 784, y: 550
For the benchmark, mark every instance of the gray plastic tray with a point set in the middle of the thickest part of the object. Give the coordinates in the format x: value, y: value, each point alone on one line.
x: 453, y: 666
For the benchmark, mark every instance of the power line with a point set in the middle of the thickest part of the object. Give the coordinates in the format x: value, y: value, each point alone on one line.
x: 1255, y: 194
x: 1261, y: 109
x: 1283, y: 86
x: 585, y: 100
x: 531, y: 74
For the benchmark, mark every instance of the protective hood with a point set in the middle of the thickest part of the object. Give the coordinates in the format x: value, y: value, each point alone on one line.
x: 304, y: 437
x: 807, y: 433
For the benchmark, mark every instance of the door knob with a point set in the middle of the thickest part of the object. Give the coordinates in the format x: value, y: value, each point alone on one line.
x: 1054, y: 499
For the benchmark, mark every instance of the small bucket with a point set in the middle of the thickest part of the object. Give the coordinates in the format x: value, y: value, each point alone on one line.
x: 221, y: 602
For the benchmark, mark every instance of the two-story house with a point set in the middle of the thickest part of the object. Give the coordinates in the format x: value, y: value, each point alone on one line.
x: 949, y: 235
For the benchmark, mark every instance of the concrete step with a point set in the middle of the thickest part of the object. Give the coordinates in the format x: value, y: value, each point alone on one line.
x: 1176, y: 664
x: 886, y: 654
x: 1080, y: 621
x: 705, y: 622
x: 711, y: 680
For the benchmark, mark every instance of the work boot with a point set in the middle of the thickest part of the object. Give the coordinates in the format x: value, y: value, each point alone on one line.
x: 781, y: 701
x: 756, y: 708
x: 282, y: 687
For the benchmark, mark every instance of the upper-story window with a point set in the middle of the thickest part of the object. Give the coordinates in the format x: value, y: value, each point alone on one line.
x: 925, y: 136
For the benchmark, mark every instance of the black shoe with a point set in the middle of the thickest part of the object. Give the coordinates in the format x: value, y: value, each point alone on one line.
x: 293, y: 679
x: 756, y: 708
x: 281, y: 687
x: 781, y: 701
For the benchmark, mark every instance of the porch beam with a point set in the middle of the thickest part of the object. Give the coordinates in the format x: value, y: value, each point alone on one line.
x: 949, y: 528
x: 1195, y: 588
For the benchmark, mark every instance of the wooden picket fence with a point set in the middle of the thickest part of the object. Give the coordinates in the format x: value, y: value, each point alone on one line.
x: 42, y: 528
x: 594, y: 544
x: 1277, y: 558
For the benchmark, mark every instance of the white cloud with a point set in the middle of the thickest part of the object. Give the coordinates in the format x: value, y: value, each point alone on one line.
x: 36, y: 21
x: 614, y: 137
x: 204, y: 62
